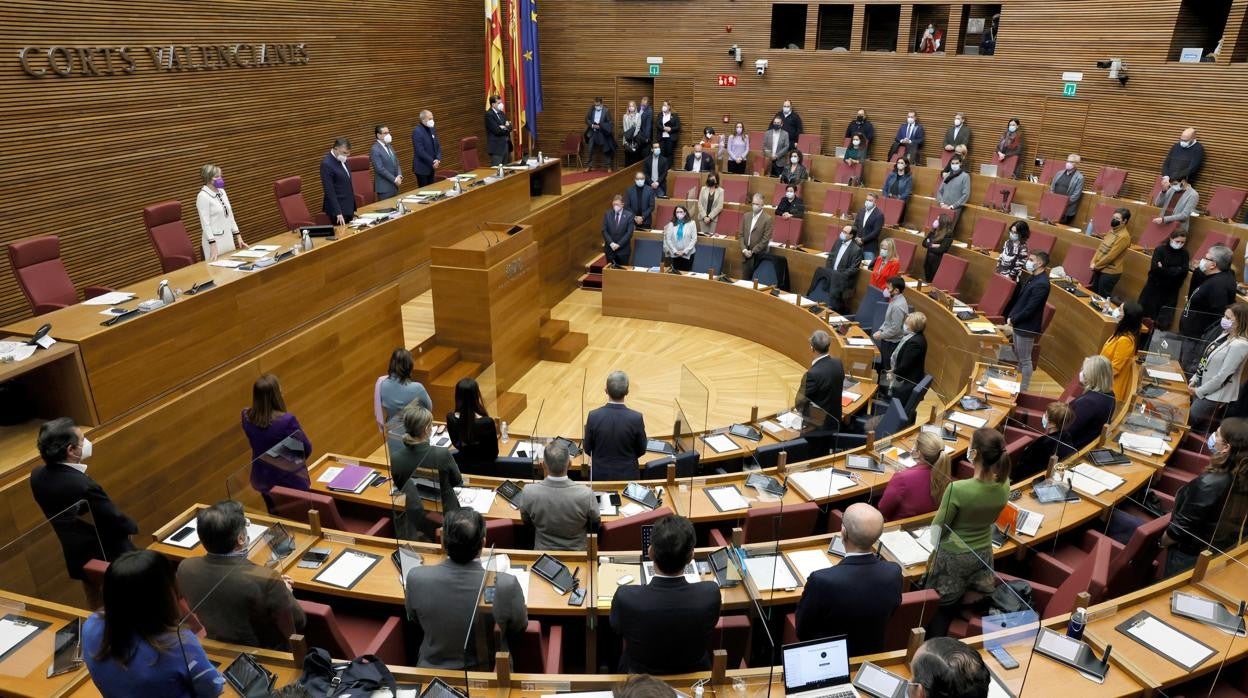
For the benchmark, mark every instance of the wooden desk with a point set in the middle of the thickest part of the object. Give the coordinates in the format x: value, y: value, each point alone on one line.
x: 24, y: 671
x: 51, y: 383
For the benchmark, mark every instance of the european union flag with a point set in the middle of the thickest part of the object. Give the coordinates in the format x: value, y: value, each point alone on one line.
x: 532, y: 64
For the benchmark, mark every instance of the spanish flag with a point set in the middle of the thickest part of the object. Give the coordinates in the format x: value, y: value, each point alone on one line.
x: 494, y: 81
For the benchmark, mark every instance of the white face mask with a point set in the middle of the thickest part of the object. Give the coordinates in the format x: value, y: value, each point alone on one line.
x: 844, y: 236
x: 1227, y: 324
x: 857, y: 142
x: 909, y: 119
x: 794, y: 159
x: 1203, y: 265
x: 341, y: 158
x: 957, y: 122
x: 883, y: 254
x: 789, y: 195
x: 666, y: 109
x: 787, y: 110
x: 86, y: 448
x: 1013, y: 128
x: 640, y: 182
x: 757, y: 208
x: 740, y: 130
x: 1185, y: 144
x: 868, y: 204
x: 1176, y: 245
x: 1081, y: 381
x: 618, y: 207
x: 499, y: 106
x: 680, y: 215
x: 656, y: 152
x: 429, y: 123
x: 1070, y: 166
x: 698, y: 154
x: 955, y: 167
x: 901, y: 168
x: 1116, y: 314
x: 1013, y: 237
x: 1031, y: 266
x: 1044, y: 422
x: 386, y: 138
x: 935, y: 225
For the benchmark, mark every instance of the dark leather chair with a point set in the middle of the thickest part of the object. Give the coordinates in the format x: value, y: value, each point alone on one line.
x: 168, y: 235
x: 361, y: 180
x: 290, y: 203
x: 42, y: 277
x: 468, y: 154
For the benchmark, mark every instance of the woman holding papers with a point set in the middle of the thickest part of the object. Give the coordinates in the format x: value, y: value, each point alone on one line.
x: 680, y: 238
x: 915, y: 491
x: 418, y: 454
x: 1211, y: 509
x: 962, y: 529
x: 279, y: 448
x: 1094, y: 408
x: 216, y: 217
x: 1220, y: 371
x: 1120, y: 348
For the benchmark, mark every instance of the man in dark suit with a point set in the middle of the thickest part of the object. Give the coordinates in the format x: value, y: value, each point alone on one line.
x: 640, y: 200
x: 667, y: 624
x: 615, y: 436
x: 755, y: 235
x: 237, y: 600
x: 856, y: 597
x: 339, y: 200
x: 1211, y: 289
x: 428, y: 149
x: 698, y: 161
x: 645, y: 130
x: 909, y: 134
x: 599, y: 134
x: 617, y: 233
x: 959, y: 134
x: 790, y: 122
x: 85, y: 520
x: 861, y: 126
x: 824, y: 381
x: 654, y: 167
x: 840, y: 271
x: 1027, y: 315
x: 497, y: 132
x: 387, y: 175
x: 868, y: 222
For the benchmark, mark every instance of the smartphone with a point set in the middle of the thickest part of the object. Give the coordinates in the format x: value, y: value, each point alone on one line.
x: 314, y: 558
x: 1003, y: 658
x: 379, y: 481
x: 182, y: 534
x: 577, y: 597
x: 489, y: 594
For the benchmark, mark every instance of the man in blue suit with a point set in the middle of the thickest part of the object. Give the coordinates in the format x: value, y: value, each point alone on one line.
x: 615, y: 436
x: 387, y: 175
x: 1026, y: 318
x: 617, y: 233
x: 428, y: 149
x: 909, y: 134
x: 339, y: 201
x: 857, y: 597
x: 645, y: 130
x: 640, y: 200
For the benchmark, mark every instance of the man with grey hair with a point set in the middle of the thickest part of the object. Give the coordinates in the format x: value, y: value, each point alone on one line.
x: 959, y: 134
x: 857, y: 597
x: 560, y: 511
x: 1069, y: 183
x: 427, y: 149
x: 824, y: 380
x: 755, y: 236
x: 615, y: 436
x: 1210, y: 291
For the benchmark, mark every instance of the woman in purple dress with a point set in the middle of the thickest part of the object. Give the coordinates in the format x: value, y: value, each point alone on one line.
x: 279, y: 448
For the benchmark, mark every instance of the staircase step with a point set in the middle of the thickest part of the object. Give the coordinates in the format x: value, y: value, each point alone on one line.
x: 567, y: 348
x: 442, y: 386
x: 596, y: 266
x: 591, y: 282
x: 551, y: 332
x: 510, y: 405
x: 432, y: 362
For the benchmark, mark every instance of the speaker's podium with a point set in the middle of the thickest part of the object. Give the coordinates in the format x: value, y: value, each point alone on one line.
x: 485, y: 299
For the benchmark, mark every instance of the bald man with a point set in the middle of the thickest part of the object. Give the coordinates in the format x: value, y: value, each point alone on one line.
x: 1184, y: 159
x: 856, y: 597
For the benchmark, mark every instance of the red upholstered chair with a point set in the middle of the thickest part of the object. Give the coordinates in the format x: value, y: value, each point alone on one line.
x: 736, y: 191
x: 1006, y: 167
x: 1051, y: 167
x: 934, y: 212
x: 917, y: 607
x: 837, y: 202
x: 572, y: 149
x: 1131, y: 566
x: 901, y: 153
x: 442, y: 175
x: 999, y: 195
x: 788, y: 231
x: 1214, y: 238
x: 541, y: 652
x: 1041, y: 241
x: 987, y: 233
x: 625, y: 534
x: 756, y: 139
x: 663, y: 213
x: 94, y: 570
x: 294, y: 504
x: 468, y: 154
x: 1052, y: 207
x: 810, y: 143
x: 846, y: 172
x: 797, y: 521
x: 892, y: 210
x: 290, y: 203
x: 1157, y: 187
x: 681, y: 184
x: 1225, y: 202
x: 361, y: 180
x: 1029, y: 407
x: 1078, y: 263
x: 1109, y: 182
x: 732, y: 634
x: 949, y: 274
x: 499, y: 533
x: 945, y: 157
x: 41, y: 274
x: 831, y: 236
x: 168, y: 235
x: 762, y: 167
x: 1156, y: 234
x: 905, y: 253
x: 1045, y: 319
x: 1102, y: 214
x: 778, y: 192
x: 347, y: 636
x: 729, y: 223
x: 997, y: 295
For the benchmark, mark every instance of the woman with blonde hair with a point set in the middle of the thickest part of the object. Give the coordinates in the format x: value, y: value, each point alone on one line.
x: 417, y: 452
x: 885, y: 264
x: 916, y: 490
x: 216, y: 217
x: 1215, y: 384
x: 1094, y: 408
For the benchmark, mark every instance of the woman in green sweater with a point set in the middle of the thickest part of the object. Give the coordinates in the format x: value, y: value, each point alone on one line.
x: 962, y: 529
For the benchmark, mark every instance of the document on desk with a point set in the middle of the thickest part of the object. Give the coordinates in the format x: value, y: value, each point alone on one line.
x: 1164, y: 375
x: 249, y: 254
x: 522, y: 576
x: 904, y: 548
x: 809, y: 562
x: 727, y: 498
x: 478, y: 499
x: 968, y: 420
x: 1140, y: 443
x: 628, y: 509
x: 1102, y: 477
x: 227, y: 263
x: 265, y: 248
x: 1005, y: 386
x: 790, y: 420
x: 15, y: 631
x: 771, y: 572
x: 1166, y: 640
x: 330, y: 473
x: 859, y: 341
x: 17, y: 351
x: 110, y: 298
x: 817, y: 484
x: 743, y: 283
x: 720, y: 443
x: 347, y: 569
x: 981, y: 327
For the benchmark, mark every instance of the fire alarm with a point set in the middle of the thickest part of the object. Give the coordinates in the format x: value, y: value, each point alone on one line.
x: 728, y: 28
x: 726, y: 118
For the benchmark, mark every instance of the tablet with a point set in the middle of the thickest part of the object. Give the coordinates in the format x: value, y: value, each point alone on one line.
x: 249, y: 678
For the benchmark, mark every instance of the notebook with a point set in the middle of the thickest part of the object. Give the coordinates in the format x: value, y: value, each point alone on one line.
x: 353, y: 478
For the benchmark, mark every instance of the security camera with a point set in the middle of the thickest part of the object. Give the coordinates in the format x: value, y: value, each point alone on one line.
x: 1118, y: 71
x: 735, y: 52
x: 1103, y: 65
x: 760, y: 66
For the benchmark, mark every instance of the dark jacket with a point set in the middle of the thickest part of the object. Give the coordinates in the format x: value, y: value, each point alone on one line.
x: 621, y: 234
x: 604, y: 136
x: 795, y: 207
x: 898, y: 186
x: 1197, y: 508
x: 792, y: 125
x: 1093, y: 411
x: 910, y: 365
x: 339, y: 198
x: 645, y: 131
x: 868, y: 227
x: 708, y: 162
x: 647, y: 166
x: 476, y: 446
x: 666, y: 625
x: 1035, y: 456
x: 615, y: 437
x: 856, y: 598
x: 1184, y: 162
x: 427, y: 148
x: 406, y: 459
x: 823, y: 384
x: 1161, y: 290
x: 57, y: 489
x: 640, y: 200
x: 497, y: 133
x: 1207, y: 299
x: 1027, y: 314
x: 936, y: 250
x: 864, y: 128
x: 241, y: 602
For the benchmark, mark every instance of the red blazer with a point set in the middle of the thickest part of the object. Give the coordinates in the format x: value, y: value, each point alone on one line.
x: 880, y: 273
x: 908, y: 493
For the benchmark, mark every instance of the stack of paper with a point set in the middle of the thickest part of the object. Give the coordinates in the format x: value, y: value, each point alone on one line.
x: 923, y: 536
x: 980, y: 327
x: 904, y: 548
x: 632, y: 509
x: 816, y: 484
x: 1101, y: 476
x: 893, y: 454
x: 727, y: 498
x: 743, y: 283
x: 790, y: 420
x: 968, y: 420
x: 1164, y: 375
x: 227, y: 263
x: 477, y: 499
x: 720, y: 443
x: 1150, y: 445
x: 13, y: 632
x: 848, y: 398
x: 770, y: 427
x: 249, y: 254
x: 1005, y: 386
x: 110, y: 298
x: 770, y: 572
x: 809, y: 562
x: 859, y: 341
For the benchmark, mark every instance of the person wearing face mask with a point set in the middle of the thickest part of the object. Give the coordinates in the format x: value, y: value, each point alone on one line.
x: 1011, y: 146
x: 1211, y: 290
x: 599, y: 134
x: 669, y: 130
x: 795, y: 172
x: 861, y: 126
x: 1184, y: 158
x: 617, y: 233
x: 497, y: 132
x: 1177, y: 203
x: 954, y: 189
x: 629, y: 129
x: 711, y: 144
x: 710, y: 204
x: 959, y: 134
x: 1027, y: 314
x: 869, y: 221
x: 1095, y: 407
x: 1211, y: 509
x: 791, y: 206
x: 838, y: 274
x: 387, y: 174
x: 738, y: 149
x: 1120, y: 348
x: 1069, y: 183
x: 884, y: 266
x: 96, y: 530
x: 936, y: 243
x: 909, y: 360
x: 1034, y: 458
x: 917, y: 490
x: 775, y: 147
x: 854, y: 153
x: 216, y: 216
x: 640, y: 199
x: 1014, y: 252
x: 893, y: 327
x: 699, y: 160
x: 654, y: 168
x: 899, y: 184
x: 427, y: 149
x: 790, y: 121
x: 1110, y: 257
x: 645, y: 127
x: 910, y: 136
x: 755, y: 235
x: 339, y: 200
x: 1166, y: 272
x: 680, y: 238
x: 1219, y: 373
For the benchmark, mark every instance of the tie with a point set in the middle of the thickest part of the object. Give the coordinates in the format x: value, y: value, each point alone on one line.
x: 617, y: 219
x: 909, y: 131
x: 1174, y: 201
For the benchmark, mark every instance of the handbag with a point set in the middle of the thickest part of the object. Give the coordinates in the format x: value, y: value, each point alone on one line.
x: 361, y: 677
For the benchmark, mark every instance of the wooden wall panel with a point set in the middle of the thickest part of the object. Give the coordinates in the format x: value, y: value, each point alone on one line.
x: 1130, y: 126
x: 83, y: 155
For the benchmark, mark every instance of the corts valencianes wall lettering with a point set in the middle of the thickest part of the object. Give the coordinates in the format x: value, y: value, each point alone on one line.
x: 109, y: 61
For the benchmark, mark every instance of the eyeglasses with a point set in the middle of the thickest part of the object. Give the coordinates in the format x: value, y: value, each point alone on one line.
x: 912, y: 689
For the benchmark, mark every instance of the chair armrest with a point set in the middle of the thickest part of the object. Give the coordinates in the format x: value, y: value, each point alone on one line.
x: 790, y: 628
x: 718, y: 540
x: 382, y: 528
x: 41, y: 308
x: 359, y: 201
x: 552, y: 658
x: 1048, y: 570
x: 322, y: 219
x: 1092, y: 536
x: 188, y: 261
x: 1033, y: 401
x: 388, y: 644
x: 93, y: 291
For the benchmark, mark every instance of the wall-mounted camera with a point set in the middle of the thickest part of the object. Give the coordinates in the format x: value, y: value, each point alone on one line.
x: 735, y: 52
x: 1117, y: 70
x: 760, y: 66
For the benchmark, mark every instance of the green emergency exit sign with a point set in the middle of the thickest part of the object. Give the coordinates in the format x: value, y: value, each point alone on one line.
x: 1068, y: 90
x: 654, y: 68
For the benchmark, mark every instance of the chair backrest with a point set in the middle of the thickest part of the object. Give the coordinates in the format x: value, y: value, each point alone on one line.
x: 647, y: 253
x: 892, y: 421
x: 837, y: 202
x: 999, y: 195
x: 1051, y: 167
x: 830, y: 237
x: 1226, y: 201
x: 468, y: 153
x: 1007, y: 166
x: 686, y: 466
x: 168, y: 235
x: 787, y: 231
x: 769, y: 524
x: 708, y: 258
x: 1090, y: 575
x: 917, y: 395
x: 1214, y: 238
x: 729, y: 222
x: 761, y: 166
x: 934, y: 212
x: 1132, y: 567
x: 443, y: 175
x: 997, y: 295
x: 1157, y: 187
x: 293, y: 504
x: 736, y: 191
x: 756, y: 139
x: 987, y: 233
x: 290, y: 203
x: 1052, y: 206
x: 845, y: 172
x: 41, y: 273
x: 778, y: 193
x: 945, y: 157
x: 1155, y: 234
x: 681, y: 184
x: 663, y: 213
x: 322, y: 630
x: 1041, y: 241
x: 1047, y: 316
x: 514, y: 467
x: 1109, y: 181
x: 768, y: 455
x: 949, y: 274
x: 905, y: 253
x: 899, y: 154
x: 765, y: 273
x: 361, y: 180
x: 1102, y: 214
x: 571, y: 144
x: 810, y: 143
x: 625, y: 534
x: 1078, y: 263
x: 1073, y: 388
x: 916, y: 609
x: 892, y: 210
x: 870, y: 308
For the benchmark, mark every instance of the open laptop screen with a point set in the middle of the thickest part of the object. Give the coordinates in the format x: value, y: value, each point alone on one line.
x: 816, y: 664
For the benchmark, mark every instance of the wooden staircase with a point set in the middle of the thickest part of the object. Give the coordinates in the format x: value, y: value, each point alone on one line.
x: 556, y: 343
x: 592, y: 279
x: 439, y: 368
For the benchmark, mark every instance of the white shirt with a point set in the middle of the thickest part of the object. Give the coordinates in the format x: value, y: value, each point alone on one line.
x: 775, y: 141
x: 667, y: 116
x: 817, y: 358
x: 597, y: 114
x: 840, y: 254
x: 80, y: 467
x: 753, y: 222
x: 654, y: 168
x: 697, y: 163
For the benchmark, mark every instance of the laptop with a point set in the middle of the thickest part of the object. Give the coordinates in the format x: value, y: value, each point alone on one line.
x: 1018, y: 210
x: 818, y: 669
x: 988, y: 170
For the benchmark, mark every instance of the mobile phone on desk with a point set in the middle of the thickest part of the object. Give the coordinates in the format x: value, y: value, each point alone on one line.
x: 577, y: 597
x: 1003, y: 658
x: 315, y: 557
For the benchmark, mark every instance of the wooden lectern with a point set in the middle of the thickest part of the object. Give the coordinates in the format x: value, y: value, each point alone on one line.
x: 486, y: 299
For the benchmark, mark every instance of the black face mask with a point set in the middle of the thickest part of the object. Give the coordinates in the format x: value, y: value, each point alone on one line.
x: 860, y: 119
x: 1115, y: 223
x: 711, y: 183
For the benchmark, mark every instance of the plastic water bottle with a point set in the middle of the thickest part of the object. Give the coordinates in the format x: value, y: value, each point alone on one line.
x: 540, y: 158
x: 307, y: 241
x: 1078, y: 620
x: 1088, y: 231
x: 503, y: 428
